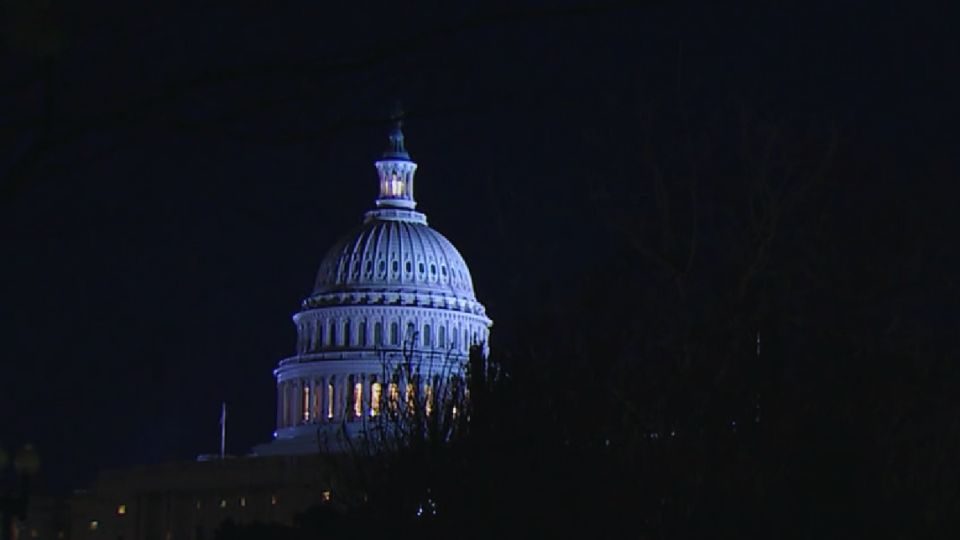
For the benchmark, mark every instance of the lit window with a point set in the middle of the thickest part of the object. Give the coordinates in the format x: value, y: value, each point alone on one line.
x: 273, y: 500
x: 326, y: 495
x: 411, y: 398
x: 375, y: 395
x: 243, y: 501
x: 122, y: 510
x: 306, y: 402
x: 223, y: 503
x: 358, y: 399
x: 93, y: 525
x: 330, y: 399
x: 393, y: 185
x: 393, y: 396
x: 428, y: 398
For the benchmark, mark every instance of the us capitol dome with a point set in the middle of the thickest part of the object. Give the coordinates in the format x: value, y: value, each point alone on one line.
x: 390, y: 292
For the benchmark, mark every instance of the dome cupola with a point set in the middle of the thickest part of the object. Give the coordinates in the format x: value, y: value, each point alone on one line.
x: 396, y: 171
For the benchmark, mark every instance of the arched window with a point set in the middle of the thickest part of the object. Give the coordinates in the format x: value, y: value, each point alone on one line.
x: 427, y: 341
x: 331, y: 333
x: 362, y: 333
x: 442, y: 336
x: 411, y: 336
x: 394, y: 333
x: 347, y: 338
x: 454, y: 332
x: 378, y: 333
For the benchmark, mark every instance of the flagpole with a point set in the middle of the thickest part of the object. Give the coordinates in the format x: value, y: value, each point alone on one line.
x: 223, y: 429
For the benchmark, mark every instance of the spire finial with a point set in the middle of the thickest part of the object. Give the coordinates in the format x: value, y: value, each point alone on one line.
x: 396, y: 149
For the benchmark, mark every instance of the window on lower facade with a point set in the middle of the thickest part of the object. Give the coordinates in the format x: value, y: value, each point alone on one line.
x: 305, y: 404
x: 393, y: 396
x: 375, y: 396
x: 428, y: 398
x: 358, y: 399
x: 330, y: 401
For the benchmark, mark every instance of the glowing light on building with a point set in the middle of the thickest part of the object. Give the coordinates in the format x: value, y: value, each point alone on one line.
x: 122, y: 510
x: 358, y: 400
x: 393, y: 396
x: 306, y: 403
x: 93, y: 525
x: 375, y: 397
x: 330, y: 401
x: 411, y: 398
x: 428, y: 398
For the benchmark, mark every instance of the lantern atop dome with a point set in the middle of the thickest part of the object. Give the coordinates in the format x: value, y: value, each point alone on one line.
x: 396, y: 171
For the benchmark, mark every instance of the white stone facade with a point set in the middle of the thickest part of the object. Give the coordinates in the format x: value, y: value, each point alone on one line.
x: 391, y: 291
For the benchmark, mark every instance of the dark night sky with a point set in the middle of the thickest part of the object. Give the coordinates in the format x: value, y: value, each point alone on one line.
x: 195, y: 163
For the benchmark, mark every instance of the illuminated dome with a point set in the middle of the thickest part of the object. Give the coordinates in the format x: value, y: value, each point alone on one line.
x: 393, y: 256
x: 392, y: 291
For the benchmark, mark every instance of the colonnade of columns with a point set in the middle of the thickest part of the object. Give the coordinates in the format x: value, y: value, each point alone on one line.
x: 344, y: 396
